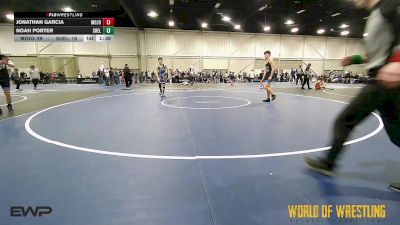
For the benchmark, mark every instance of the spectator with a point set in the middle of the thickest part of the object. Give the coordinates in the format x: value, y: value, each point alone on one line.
x: 320, y: 84
x: 115, y: 76
x: 34, y: 75
x: 299, y: 75
x: 16, y: 79
x: 275, y: 76
x: 107, y: 76
x: 251, y: 76
x: 127, y: 76
x: 306, y: 77
x: 293, y: 75
x: 100, y: 73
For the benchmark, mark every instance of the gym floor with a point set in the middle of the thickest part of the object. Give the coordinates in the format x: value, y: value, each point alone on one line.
x: 207, y: 154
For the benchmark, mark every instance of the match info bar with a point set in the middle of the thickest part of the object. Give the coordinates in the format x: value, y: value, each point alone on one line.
x: 63, y: 38
x: 62, y: 27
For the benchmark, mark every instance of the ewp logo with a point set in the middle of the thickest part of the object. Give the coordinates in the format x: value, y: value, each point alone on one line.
x: 20, y: 211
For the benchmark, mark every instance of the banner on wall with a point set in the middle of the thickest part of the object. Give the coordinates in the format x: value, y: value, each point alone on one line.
x: 87, y: 80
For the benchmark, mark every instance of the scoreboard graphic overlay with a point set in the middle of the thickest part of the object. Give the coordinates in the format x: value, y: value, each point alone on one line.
x: 63, y: 27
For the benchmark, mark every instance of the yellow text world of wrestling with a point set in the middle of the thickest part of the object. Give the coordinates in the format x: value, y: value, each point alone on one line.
x: 337, y: 211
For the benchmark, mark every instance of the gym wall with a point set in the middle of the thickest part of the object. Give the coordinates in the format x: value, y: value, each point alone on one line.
x: 233, y: 51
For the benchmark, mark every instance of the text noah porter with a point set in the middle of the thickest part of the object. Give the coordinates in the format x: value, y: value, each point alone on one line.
x: 34, y: 30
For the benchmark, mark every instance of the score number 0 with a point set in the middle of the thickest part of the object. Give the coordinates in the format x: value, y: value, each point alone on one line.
x: 108, y: 21
x: 108, y: 25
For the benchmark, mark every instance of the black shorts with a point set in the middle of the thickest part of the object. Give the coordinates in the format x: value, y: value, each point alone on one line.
x: 5, y: 84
